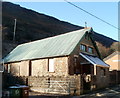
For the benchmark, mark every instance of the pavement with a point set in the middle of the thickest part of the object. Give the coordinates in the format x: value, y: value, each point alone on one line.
x: 110, y: 92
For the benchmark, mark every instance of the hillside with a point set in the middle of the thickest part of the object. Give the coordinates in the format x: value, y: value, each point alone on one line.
x: 32, y: 26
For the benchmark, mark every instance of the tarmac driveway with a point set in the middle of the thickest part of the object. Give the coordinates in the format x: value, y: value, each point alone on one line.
x: 111, y: 92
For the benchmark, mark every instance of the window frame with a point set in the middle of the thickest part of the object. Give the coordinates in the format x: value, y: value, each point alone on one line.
x: 51, y: 65
x: 90, y: 51
x: 83, y: 47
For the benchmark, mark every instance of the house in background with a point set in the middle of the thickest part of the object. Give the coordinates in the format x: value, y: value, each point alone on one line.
x: 72, y: 56
x: 114, y: 61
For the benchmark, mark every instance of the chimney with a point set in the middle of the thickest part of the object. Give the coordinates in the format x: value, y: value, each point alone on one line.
x: 85, y: 25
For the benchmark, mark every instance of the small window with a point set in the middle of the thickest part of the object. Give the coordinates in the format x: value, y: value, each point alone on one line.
x: 90, y: 50
x: 51, y: 65
x: 83, y: 47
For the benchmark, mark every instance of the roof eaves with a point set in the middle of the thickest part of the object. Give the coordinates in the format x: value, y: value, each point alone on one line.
x: 36, y: 58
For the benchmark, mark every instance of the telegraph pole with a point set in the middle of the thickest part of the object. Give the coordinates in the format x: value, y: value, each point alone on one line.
x: 14, y: 30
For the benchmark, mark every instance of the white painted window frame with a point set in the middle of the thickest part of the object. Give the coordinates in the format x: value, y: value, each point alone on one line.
x: 51, y: 66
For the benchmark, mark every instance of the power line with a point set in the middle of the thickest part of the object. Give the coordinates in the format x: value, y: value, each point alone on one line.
x: 92, y: 15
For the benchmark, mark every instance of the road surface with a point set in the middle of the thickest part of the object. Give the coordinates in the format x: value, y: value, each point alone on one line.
x: 111, y: 92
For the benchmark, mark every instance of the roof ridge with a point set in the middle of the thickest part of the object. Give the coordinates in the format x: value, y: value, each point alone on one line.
x: 54, y: 36
x: 112, y: 54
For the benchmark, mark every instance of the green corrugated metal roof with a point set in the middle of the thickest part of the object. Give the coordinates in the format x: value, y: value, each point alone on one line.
x: 59, y: 45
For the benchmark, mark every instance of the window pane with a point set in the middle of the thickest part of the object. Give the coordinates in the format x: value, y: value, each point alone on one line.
x: 51, y: 65
x: 82, y: 47
x: 90, y: 50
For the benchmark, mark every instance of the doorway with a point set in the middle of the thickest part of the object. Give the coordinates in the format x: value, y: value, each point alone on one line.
x: 86, y: 72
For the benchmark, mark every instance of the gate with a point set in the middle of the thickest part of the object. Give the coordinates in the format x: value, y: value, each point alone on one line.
x: 61, y: 87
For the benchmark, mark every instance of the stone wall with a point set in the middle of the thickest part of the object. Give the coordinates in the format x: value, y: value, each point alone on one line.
x: 70, y: 85
x: 40, y: 67
x: 56, y: 84
x: 102, y: 77
x: 18, y: 68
